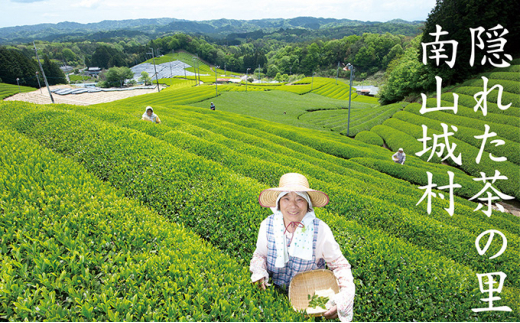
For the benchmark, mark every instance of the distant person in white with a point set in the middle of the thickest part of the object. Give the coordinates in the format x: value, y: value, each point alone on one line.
x: 399, y: 157
x: 148, y: 115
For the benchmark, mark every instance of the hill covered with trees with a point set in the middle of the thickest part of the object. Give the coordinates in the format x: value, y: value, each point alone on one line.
x: 229, y: 31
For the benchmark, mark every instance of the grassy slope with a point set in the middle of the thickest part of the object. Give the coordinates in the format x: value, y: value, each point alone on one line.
x: 7, y: 90
x: 74, y: 249
x: 404, y: 129
x: 173, y: 132
x: 242, y: 144
x: 271, y: 105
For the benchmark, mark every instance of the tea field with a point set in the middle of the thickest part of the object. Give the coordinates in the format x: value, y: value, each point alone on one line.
x: 7, y: 90
x: 201, y: 171
x: 405, y: 128
x: 106, y: 217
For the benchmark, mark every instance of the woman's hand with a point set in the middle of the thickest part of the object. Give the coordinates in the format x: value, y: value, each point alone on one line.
x: 332, y: 313
x: 261, y: 283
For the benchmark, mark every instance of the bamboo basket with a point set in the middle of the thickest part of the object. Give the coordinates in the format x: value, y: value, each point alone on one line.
x: 320, y: 281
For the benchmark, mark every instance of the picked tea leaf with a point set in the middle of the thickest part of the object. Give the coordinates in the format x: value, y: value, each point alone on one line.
x: 316, y: 301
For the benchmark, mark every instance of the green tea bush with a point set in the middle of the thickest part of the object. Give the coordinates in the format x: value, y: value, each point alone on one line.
x: 418, y: 176
x: 367, y: 124
x: 506, y: 97
x: 508, y: 86
x: 370, y: 138
x: 296, y: 138
x: 258, y: 138
x: 335, y: 91
x: 242, y: 88
x: 296, y: 88
x: 6, y: 90
x: 467, y: 135
x: 183, y: 186
x: 506, y: 75
x: 178, y: 95
x: 395, y: 139
x: 258, y: 170
x: 469, y: 154
x: 502, y: 130
x: 362, y: 117
x: 515, y: 67
x: 74, y: 249
x: 466, y: 106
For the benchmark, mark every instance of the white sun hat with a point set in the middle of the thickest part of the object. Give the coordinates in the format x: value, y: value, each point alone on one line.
x: 292, y: 182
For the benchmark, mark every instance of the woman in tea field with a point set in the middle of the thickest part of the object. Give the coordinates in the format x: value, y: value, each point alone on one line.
x: 148, y: 115
x: 293, y: 240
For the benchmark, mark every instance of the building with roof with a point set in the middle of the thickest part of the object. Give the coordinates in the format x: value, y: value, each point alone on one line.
x: 93, y: 71
x: 368, y: 90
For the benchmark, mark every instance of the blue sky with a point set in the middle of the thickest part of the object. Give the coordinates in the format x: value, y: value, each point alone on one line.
x: 31, y: 12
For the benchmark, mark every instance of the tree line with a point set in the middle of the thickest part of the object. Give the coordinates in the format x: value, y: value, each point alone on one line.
x: 368, y: 52
x: 15, y: 65
x: 407, y: 76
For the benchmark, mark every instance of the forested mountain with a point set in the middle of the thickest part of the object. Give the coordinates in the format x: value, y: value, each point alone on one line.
x: 15, y: 65
x: 497, y: 41
x: 229, y: 31
x: 303, y: 45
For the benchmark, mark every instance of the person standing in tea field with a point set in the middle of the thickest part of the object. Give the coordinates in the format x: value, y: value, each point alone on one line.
x: 399, y: 157
x: 212, y: 106
x: 148, y: 115
x: 294, y: 240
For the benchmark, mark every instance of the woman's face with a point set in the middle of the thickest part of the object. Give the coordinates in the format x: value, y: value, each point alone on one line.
x: 293, y: 207
x: 149, y: 112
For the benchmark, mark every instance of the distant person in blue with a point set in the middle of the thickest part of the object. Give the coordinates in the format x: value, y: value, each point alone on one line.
x: 212, y: 106
x: 399, y: 157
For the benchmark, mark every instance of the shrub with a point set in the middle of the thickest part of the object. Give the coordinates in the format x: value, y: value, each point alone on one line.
x: 505, y: 131
x: 506, y: 97
x: 219, y: 204
x: 509, y: 86
x: 74, y: 249
x: 466, y: 106
x: 469, y: 154
x: 6, y: 90
x: 467, y: 135
x: 370, y: 138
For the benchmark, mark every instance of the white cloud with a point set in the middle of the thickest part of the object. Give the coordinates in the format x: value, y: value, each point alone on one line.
x: 27, y: 1
x: 91, y: 4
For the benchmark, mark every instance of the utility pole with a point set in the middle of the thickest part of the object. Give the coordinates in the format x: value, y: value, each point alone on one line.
x: 86, y: 68
x: 246, y: 76
x: 337, y: 75
x: 216, y: 90
x: 194, y: 68
x: 258, y: 72
x: 350, y: 68
x: 198, y: 68
x: 39, y: 85
x: 171, y: 72
x: 312, y: 82
x: 43, y: 73
x: 155, y: 69
x: 184, y: 68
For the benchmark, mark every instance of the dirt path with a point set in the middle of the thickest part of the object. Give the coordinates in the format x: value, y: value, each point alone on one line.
x: 77, y: 99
